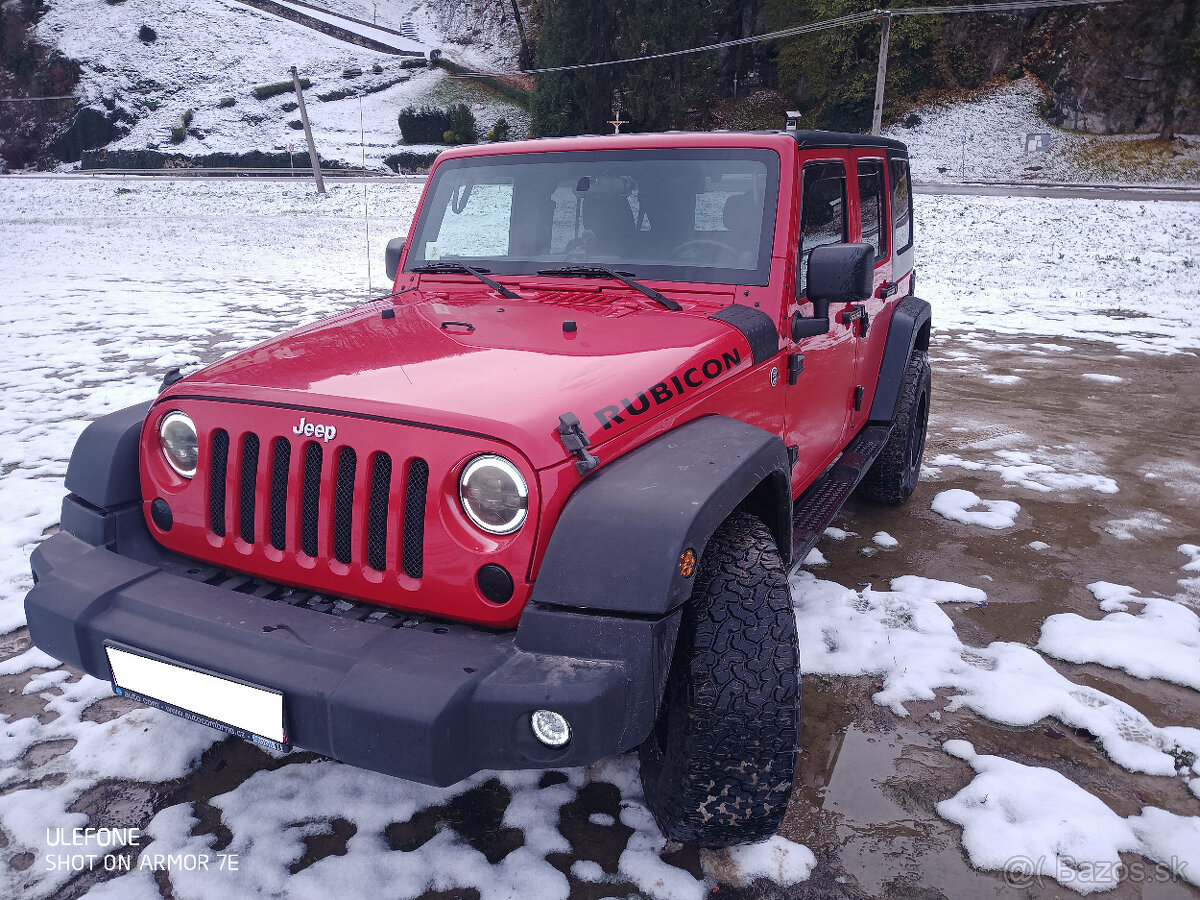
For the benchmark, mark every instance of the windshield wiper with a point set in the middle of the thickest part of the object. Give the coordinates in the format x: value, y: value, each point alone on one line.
x: 601, y: 272
x: 450, y: 268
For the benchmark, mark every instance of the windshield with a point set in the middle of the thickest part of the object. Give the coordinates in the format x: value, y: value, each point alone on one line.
x: 672, y: 215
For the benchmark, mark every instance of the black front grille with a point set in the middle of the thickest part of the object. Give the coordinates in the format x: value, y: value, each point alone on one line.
x: 281, y: 460
x: 310, y: 502
x: 343, y: 506
x: 377, y: 517
x: 247, y: 495
x: 332, y: 519
x: 414, y: 518
x: 216, y: 484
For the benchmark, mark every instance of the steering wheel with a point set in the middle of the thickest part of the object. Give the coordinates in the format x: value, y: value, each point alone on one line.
x: 688, y: 248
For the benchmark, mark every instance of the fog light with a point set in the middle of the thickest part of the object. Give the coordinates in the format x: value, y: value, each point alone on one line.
x: 550, y: 728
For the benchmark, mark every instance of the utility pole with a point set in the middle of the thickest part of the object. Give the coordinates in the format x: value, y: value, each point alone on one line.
x: 312, y: 148
x: 881, y: 76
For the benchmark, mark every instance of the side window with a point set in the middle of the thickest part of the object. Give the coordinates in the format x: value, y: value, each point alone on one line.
x: 870, y: 205
x: 822, y: 210
x: 902, y: 226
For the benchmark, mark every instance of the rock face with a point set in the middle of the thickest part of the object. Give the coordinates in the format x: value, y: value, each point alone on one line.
x: 89, y: 129
x: 1129, y: 67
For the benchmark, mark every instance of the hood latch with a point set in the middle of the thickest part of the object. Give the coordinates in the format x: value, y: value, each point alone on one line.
x: 570, y: 432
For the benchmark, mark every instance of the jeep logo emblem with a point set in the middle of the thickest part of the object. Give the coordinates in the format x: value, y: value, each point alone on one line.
x: 326, y: 432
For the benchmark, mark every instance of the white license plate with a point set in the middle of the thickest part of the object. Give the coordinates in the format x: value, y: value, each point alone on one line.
x: 250, y: 712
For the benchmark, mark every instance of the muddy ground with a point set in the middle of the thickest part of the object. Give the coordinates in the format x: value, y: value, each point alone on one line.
x: 868, y: 780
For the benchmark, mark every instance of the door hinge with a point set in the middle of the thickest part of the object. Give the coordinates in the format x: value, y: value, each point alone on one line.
x: 858, y: 397
x: 795, y: 366
x: 857, y: 313
x: 570, y: 432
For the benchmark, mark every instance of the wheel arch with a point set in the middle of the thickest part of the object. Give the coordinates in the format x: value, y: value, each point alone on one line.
x: 618, y: 544
x: 909, y: 330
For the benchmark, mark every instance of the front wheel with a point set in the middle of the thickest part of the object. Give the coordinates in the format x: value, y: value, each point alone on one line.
x: 893, y: 476
x: 718, y: 767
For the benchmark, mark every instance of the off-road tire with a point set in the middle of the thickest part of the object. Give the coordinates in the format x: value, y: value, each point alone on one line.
x: 718, y: 767
x: 893, y: 476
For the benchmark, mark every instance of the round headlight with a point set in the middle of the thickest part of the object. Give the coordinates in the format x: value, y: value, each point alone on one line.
x: 493, y: 494
x: 177, y: 435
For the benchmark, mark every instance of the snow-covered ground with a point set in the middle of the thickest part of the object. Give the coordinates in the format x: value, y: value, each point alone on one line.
x: 110, y: 282
x: 985, y: 139
x: 208, y: 52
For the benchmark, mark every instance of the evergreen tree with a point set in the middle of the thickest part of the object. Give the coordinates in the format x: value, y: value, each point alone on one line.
x: 579, y: 101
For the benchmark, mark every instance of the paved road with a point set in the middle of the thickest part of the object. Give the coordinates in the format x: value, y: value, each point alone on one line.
x: 1071, y: 191
x: 974, y: 189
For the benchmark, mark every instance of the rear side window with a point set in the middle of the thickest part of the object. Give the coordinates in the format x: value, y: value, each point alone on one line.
x: 871, y: 207
x: 823, y: 210
x: 902, y: 226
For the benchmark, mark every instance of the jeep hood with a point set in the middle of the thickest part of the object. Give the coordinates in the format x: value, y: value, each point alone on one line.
x: 504, y: 368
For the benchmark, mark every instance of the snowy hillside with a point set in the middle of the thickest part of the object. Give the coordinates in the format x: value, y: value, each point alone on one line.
x: 208, y: 57
x: 985, y: 139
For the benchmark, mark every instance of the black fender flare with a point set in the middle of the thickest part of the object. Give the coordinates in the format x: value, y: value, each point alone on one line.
x: 617, y: 546
x: 908, y: 331
x: 103, y: 469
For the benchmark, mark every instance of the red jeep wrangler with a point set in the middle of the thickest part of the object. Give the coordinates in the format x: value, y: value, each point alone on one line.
x: 538, y: 505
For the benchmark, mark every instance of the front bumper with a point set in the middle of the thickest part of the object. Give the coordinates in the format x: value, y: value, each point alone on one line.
x: 423, y: 699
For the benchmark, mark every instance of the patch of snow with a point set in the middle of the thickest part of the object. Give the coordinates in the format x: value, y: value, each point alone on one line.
x: 1020, y: 467
x: 1114, y: 597
x: 1001, y: 379
x: 1192, y: 551
x: 1162, y: 641
x: 938, y: 591
x: 958, y: 505
x: 1105, y: 379
x: 910, y: 643
x: 785, y: 863
x: 1030, y: 821
x: 815, y: 558
x: 1129, y: 528
x: 838, y: 534
x: 1039, y: 545
x: 885, y: 540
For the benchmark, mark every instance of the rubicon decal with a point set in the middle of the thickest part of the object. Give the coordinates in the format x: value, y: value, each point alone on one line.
x: 675, y: 386
x: 311, y: 429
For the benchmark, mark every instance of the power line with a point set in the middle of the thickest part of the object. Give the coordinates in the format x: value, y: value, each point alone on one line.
x: 852, y: 19
x: 34, y: 99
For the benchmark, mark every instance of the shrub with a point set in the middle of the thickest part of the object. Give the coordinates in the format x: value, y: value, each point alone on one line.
x: 339, y: 94
x: 267, y: 91
x: 290, y: 105
x: 295, y: 123
x: 227, y: 102
x: 409, y: 161
x: 188, y: 116
x: 462, y: 123
x: 147, y: 35
x: 351, y: 73
x: 426, y: 125
x: 499, y: 131
x: 415, y: 62
x: 178, y: 133
x: 377, y: 69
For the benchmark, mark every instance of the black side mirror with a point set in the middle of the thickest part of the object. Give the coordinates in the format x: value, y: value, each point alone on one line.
x: 840, y: 273
x: 391, y: 257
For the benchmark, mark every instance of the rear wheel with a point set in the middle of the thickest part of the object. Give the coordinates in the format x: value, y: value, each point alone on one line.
x: 893, y: 476
x: 718, y: 767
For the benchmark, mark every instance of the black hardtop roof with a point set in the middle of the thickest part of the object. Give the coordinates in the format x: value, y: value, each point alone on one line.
x: 819, y: 140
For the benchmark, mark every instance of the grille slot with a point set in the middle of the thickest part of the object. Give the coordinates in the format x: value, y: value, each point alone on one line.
x: 216, y: 482
x: 343, y: 506
x: 281, y: 460
x: 310, y: 503
x: 413, y: 557
x: 246, y: 496
x: 377, y: 512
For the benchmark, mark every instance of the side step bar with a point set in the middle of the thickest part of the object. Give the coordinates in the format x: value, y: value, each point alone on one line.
x: 819, y: 504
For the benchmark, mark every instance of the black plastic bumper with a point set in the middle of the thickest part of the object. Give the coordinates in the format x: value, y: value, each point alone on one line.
x: 426, y: 700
